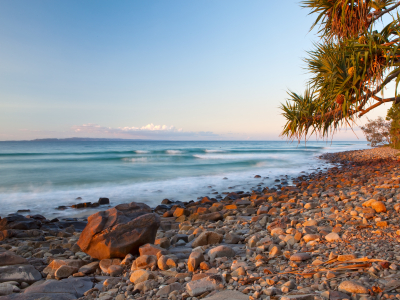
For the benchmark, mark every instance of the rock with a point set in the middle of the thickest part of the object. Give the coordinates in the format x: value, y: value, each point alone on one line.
x: 275, y: 251
x: 221, y: 251
x: 141, y: 276
x: 352, y: 287
x: 150, y: 249
x: 180, y: 212
x: 115, y: 270
x: 6, y: 289
x: 300, y: 256
x: 213, y: 217
x: 335, y: 295
x: 163, y: 243
x: 299, y: 297
x: 164, y: 291
x: 144, y: 262
x: 332, y: 237
x: 57, y: 263
x: 19, y: 222
x: 146, y: 286
x: 89, y: 268
x: 105, y: 264
x: 207, y: 284
x: 229, y: 295
x: 194, y: 260
x: 207, y: 238
x: 65, y: 271
x: 346, y: 257
x: 310, y: 237
x: 232, y: 238
x: 9, y: 258
x: 103, y: 201
x: 378, y: 206
x: 263, y: 210
x: 118, y: 231
x: 19, y: 273
x: 75, y: 287
x: 166, y: 262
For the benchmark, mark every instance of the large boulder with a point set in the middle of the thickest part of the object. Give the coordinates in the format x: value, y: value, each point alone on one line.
x: 119, y: 230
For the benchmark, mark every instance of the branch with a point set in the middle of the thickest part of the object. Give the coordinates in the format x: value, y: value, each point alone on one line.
x: 384, y: 12
x: 376, y: 105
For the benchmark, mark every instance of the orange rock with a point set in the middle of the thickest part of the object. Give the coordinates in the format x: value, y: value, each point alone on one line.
x: 232, y: 206
x: 379, y: 206
x: 382, y: 224
x: 119, y: 230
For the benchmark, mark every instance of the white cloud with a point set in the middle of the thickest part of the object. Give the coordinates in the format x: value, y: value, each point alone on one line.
x: 149, y: 131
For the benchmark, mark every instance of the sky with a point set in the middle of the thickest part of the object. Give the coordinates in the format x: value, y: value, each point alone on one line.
x: 154, y: 69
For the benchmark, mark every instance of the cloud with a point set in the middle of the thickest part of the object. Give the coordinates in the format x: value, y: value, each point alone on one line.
x: 149, y: 131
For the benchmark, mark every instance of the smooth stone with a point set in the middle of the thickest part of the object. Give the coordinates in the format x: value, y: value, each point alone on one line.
x: 352, y: 287
x: 331, y: 237
x: 19, y: 273
x: 228, y: 295
x: 300, y: 256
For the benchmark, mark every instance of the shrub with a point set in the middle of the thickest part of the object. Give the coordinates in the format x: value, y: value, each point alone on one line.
x: 377, y: 132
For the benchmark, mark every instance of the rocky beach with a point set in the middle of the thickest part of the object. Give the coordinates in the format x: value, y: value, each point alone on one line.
x: 333, y: 234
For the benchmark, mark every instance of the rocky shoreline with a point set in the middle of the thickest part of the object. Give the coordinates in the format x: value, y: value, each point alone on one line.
x: 331, y: 235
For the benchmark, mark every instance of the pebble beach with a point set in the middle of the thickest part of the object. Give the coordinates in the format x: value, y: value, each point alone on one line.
x: 333, y: 234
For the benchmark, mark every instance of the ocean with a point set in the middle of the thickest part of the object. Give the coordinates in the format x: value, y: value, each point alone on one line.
x: 42, y: 175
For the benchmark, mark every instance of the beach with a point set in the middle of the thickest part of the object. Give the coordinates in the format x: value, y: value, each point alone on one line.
x: 330, y: 234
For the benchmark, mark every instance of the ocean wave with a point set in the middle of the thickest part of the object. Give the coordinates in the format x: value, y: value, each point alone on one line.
x: 141, y: 151
x: 139, y: 159
x: 173, y: 152
x: 213, y: 151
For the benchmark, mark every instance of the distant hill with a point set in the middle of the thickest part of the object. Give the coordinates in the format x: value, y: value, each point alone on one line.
x: 77, y: 139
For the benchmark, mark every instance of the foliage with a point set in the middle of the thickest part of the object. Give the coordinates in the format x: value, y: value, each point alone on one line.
x: 349, y: 67
x: 394, y: 116
x: 377, y: 132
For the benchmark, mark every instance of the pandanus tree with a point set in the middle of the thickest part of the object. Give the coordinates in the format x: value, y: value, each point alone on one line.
x: 357, y: 56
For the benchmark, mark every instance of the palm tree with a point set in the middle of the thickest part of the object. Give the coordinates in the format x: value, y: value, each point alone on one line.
x: 349, y: 67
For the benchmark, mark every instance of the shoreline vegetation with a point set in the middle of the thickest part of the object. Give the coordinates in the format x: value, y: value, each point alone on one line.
x: 333, y: 234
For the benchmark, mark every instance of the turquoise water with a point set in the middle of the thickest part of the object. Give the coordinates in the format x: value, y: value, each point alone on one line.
x: 43, y: 175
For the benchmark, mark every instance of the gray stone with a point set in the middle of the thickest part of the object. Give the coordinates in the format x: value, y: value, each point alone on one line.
x: 89, y: 268
x: 299, y: 297
x: 207, y: 284
x: 75, y: 286
x: 19, y: 273
x: 35, y: 296
x: 300, y: 256
x: 8, y: 258
x: 221, y: 251
x: 228, y: 295
x: 6, y: 289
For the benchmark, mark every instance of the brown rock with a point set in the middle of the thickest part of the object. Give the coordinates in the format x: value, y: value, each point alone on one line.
x: 119, y: 231
x: 352, y: 287
x: 194, y: 261
x: 150, y: 249
x: 378, y: 206
x: 207, y: 238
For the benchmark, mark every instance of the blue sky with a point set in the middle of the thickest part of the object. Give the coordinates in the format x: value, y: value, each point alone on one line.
x: 204, y: 69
